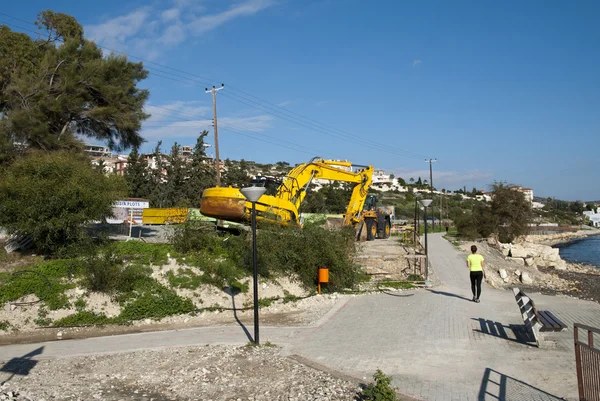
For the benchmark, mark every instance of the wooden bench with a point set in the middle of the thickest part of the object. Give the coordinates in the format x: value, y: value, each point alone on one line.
x: 536, y: 321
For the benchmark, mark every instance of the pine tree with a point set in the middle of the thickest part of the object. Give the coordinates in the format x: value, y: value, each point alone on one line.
x: 157, y: 193
x: 201, y: 173
x: 174, y: 187
x: 71, y: 88
x: 137, y: 175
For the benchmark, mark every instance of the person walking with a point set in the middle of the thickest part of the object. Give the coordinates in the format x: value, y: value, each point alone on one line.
x: 475, y: 265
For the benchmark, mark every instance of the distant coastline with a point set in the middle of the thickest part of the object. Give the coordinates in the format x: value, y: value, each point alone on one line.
x: 570, y: 241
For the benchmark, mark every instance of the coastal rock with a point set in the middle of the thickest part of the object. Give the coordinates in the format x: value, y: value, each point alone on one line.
x: 520, y: 261
x: 561, y: 265
x: 529, y: 262
x: 518, y: 251
x: 525, y: 278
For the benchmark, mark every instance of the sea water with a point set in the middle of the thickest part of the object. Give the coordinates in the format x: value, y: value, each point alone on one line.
x: 585, y: 250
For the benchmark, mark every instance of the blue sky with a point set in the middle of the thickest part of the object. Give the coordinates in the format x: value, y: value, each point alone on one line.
x: 506, y: 91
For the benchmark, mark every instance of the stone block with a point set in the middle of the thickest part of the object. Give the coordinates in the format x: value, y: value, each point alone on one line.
x: 525, y: 278
x: 518, y: 251
x: 520, y: 261
x: 503, y: 273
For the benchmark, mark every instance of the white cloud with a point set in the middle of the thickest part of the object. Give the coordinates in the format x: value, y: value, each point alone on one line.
x: 173, y: 35
x: 183, y: 121
x: 179, y: 110
x: 115, y: 32
x: 144, y: 29
x: 171, y: 14
x: 416, y: 62
x: 207, y: 23
x: 285, y: 103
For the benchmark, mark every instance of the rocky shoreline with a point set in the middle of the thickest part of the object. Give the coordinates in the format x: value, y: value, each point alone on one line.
x: 533, y: 263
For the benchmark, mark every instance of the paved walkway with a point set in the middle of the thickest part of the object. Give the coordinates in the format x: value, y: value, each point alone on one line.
x: 436, y: 344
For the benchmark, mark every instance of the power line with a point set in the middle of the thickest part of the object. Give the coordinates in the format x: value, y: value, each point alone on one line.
x: 267, y: 107
x: 275, y: 110
x: 246, y: 132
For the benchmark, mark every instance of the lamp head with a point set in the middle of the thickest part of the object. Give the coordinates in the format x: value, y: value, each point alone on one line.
x: 253, y: 194
x: 426, y: 202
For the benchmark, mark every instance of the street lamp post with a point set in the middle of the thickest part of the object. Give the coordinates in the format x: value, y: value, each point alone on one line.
x: 253, y: 194
x: 425, y: 203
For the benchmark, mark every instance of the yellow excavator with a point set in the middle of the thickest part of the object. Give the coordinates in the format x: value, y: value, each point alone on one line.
x: 228, y: 203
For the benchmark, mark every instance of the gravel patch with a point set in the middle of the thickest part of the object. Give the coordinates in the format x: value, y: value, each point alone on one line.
x: 214, y: 372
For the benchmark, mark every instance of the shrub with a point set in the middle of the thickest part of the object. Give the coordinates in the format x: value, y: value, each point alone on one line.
x: 45, y: 281
x: 289, y: 250
x: 107, y: 273
x: 160, y: 303
x: 141, y: 252
x: 281, y: 250
x: 193, y: 236
x: 82, y: 318
x: 380, y: 390
x: 51, y: 196
x: 185, y: 278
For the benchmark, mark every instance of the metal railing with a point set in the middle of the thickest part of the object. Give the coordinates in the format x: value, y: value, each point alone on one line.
x: 587, y: 359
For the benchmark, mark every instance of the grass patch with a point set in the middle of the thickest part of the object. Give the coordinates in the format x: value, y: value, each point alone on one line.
x: 152, y: 300
x: 398, y: 285
x: 79, y: 304
x: 5, y: 325
x: 83, y: 318
x: 185, y: 278
x: 415, y: 277
x: 139, y: 252
x: 48, y: 281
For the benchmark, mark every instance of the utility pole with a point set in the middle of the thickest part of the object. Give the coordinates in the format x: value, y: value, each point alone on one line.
x: 430, y: 161
x: 214, y: 91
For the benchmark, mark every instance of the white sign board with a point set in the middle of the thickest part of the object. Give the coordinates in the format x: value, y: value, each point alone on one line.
x: 132, y: 204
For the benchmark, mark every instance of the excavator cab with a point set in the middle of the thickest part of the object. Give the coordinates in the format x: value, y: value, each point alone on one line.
x: 370, y: 202
x: 377, y: 222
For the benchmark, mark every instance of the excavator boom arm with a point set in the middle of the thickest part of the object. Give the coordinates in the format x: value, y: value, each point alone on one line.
x: 228, y: 203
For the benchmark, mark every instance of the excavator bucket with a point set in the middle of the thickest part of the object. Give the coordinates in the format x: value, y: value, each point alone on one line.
x: 224, y: 203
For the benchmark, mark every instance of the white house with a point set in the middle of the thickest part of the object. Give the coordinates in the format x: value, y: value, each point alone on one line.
x: 594, y: 217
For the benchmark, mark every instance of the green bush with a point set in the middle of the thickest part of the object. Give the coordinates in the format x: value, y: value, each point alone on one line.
x: 82, y: 318
x: 142, y: 253
x: 281, y: 251
x: 4, y: 325
x: 193, y: 237
x: 46, y: 281
x: 290, y: 250
x: 50, y: 196
x: 107, y: 273
x: 185, y: 278
x: 157, y: 304
x: 380, y: 390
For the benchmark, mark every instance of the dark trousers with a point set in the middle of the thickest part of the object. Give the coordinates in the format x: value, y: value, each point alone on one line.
x: 476, y: 278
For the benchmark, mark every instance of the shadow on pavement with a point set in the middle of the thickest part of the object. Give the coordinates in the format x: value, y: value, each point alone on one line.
x: 500, y: 387
x: 520, y: 334
x: 21, y: 365
x: 233, y: 292
x: 449, y: 294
